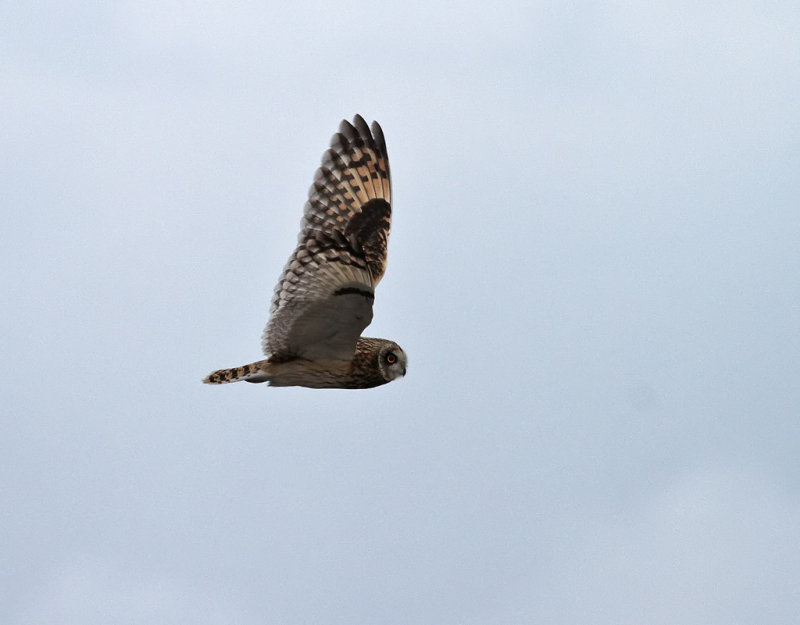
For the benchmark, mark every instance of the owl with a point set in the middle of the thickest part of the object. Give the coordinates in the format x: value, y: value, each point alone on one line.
x: 323, y: 300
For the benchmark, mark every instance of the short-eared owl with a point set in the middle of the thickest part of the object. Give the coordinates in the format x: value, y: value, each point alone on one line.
x: 324, y: 297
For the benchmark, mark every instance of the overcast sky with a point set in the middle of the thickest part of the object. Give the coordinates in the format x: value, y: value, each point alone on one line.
x: 594, y: 269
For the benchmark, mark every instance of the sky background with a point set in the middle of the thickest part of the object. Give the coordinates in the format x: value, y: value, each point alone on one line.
x: 594, y: 269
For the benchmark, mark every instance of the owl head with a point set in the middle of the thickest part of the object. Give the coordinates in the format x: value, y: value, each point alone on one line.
x: 392, y: 361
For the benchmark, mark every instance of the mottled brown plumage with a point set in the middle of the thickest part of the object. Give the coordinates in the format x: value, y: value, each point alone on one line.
x: 323, y: 300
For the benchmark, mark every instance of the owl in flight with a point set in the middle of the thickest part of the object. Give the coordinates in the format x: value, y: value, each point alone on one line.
x: 323, y: 301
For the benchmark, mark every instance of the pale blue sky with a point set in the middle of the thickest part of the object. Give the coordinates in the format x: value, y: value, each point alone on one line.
x: 593, y: 269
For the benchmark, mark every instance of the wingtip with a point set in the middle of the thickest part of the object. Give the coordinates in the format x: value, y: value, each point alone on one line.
x: 362, y: 128
x: 377, y: 133
x: 347, y: 130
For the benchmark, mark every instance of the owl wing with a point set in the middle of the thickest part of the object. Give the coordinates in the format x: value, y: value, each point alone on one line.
x: 323, y: 300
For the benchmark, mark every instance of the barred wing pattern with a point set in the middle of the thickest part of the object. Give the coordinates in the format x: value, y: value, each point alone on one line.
x: 323, y: 300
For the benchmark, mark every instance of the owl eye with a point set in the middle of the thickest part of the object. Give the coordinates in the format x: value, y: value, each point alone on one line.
x: 391, y: 358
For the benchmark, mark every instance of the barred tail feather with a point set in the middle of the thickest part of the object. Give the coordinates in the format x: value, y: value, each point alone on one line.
x: 249, y: 373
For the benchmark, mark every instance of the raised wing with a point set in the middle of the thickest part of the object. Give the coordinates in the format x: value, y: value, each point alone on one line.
x: 323, y: 300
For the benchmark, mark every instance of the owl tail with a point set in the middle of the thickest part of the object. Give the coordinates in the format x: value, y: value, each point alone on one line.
x: 249, y: 373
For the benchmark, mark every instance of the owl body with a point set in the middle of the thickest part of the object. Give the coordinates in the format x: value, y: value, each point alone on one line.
x: 375, y: 362
x: 323, y: 300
